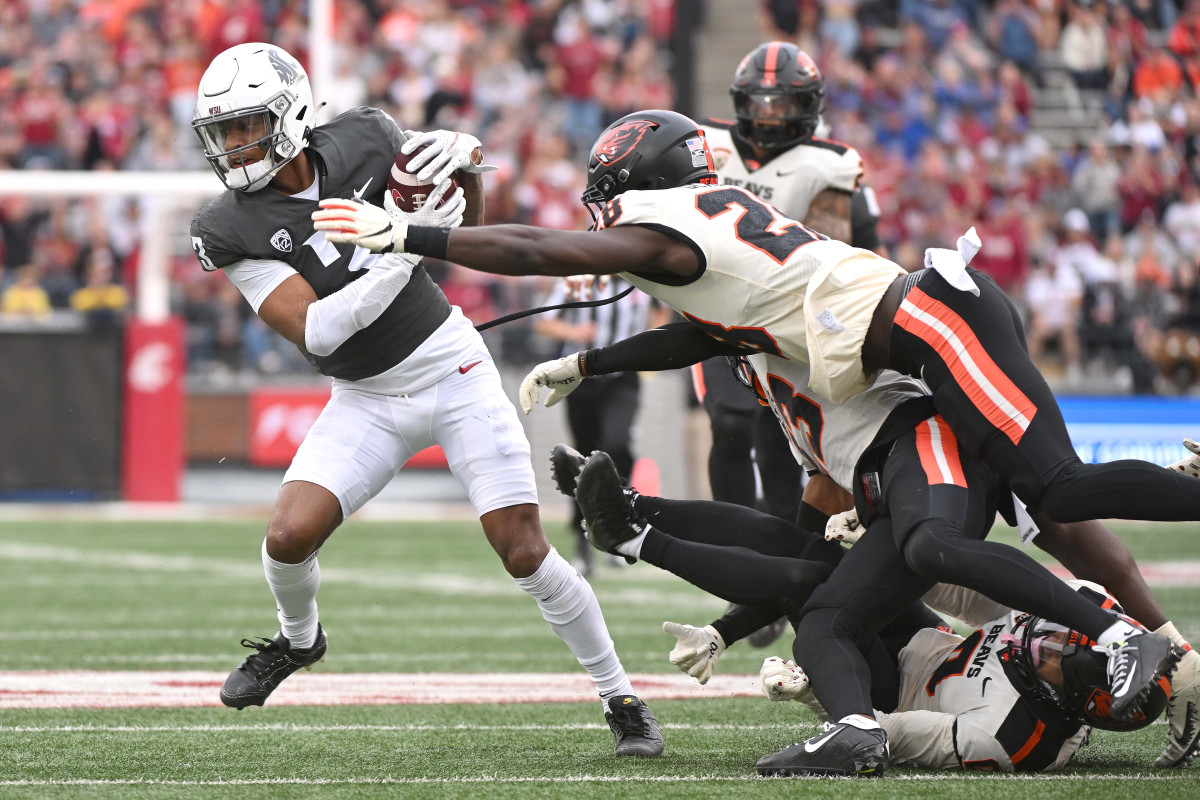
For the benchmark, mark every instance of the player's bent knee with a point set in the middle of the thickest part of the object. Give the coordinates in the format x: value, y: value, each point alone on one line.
x: 291, y: 544
x: 516, y: 535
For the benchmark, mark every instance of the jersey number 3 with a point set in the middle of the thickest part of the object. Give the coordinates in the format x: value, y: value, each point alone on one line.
x: 754, y: 225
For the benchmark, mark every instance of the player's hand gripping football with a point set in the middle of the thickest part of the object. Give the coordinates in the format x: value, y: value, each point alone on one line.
x: 445, y: 152
x: 434, y: 212
x: 844, y: 527
x: 562, y: 376
x: 697, y: 650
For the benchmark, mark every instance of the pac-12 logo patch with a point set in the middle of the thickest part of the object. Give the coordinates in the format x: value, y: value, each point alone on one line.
x: 621, y: 140
x: 282, y: 241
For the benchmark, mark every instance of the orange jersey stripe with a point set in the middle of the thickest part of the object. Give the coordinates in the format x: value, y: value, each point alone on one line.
x: 996, y: 397
x: 698, y: 382
x: 1034, y: 738
x: 938, y: 451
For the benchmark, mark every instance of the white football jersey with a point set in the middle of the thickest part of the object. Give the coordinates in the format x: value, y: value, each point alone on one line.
x: 826, y: 437
x: 766, y: 281
x: 788, y: 180
x: 959, y: 708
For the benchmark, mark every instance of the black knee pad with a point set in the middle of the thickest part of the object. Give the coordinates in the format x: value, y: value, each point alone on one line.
x: 930, y: 550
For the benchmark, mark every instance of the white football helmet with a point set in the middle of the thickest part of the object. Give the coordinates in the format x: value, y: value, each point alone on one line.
x: 253, y: 96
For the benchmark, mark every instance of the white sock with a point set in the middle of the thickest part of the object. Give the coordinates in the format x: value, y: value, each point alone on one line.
x: 861, y: 722
x: 570, y: 606
x: 1168, y: 630
x: 633, y: 547
x: 295, y: 589
x: 1119, y: 631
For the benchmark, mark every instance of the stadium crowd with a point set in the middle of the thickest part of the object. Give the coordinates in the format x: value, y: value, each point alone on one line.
x: 1097, y: 238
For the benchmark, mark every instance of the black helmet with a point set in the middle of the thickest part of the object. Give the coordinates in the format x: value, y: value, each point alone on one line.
x: 647, y: 150
x: 1076, y: 682
x: 777, y: 91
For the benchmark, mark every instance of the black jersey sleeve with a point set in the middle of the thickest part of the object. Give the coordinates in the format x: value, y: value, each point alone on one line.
x: 864, y: 218
x: 673, y: 346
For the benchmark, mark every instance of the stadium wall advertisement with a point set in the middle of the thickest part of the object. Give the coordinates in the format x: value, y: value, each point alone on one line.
x: 1147, y: 428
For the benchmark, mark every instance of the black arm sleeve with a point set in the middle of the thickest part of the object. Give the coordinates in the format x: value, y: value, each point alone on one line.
x: 863, y: 219
x: 679, y: 344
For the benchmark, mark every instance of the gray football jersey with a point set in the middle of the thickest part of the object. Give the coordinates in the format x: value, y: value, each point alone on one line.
x: 353, y: 155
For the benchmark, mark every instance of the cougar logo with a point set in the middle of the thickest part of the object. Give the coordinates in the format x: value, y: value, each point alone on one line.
x: 282, y: 241
x: 622, y: 140
x: 287, y: 70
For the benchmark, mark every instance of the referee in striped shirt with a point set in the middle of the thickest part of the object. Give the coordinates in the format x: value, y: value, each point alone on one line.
x: 600, y: 411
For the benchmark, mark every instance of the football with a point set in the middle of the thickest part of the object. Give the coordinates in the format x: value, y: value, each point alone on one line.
x: 407, y: 192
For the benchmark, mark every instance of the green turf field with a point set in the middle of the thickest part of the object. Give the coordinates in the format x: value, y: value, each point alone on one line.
x: 426, y: 597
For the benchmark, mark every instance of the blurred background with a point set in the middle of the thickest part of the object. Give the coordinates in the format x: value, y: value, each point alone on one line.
x: 1066, y: 131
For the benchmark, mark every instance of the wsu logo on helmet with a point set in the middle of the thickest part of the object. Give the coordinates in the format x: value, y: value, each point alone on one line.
x: 287, y: 69
x: 622, y: 140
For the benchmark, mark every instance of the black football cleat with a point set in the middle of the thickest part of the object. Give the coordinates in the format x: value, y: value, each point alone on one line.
x: 841, y: 750
x: 634, y: 727
x: 608, y: 513
x: 263, y: 670
x: 1134, y: 666
x: 565, y: 463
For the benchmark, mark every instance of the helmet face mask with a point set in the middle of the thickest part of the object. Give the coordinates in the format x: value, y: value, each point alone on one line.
x: 646, y: 150
x: 252, y: 114
x: 1068, y: 671
x: 777, y: 92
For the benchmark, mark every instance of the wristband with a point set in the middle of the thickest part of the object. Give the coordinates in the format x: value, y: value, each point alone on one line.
x: 423, y: 240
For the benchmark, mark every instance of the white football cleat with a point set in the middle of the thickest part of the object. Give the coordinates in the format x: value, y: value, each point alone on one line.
x: 1191, y: 464
x: 1183, y: 714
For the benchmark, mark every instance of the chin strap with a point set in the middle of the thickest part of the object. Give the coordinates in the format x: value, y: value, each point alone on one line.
x: 531, y: 311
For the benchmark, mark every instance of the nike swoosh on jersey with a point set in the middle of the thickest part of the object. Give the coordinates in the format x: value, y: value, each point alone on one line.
x: 358, y: 193
x: 468, y: 367
x: 812, y: 747
x: 781, y: 174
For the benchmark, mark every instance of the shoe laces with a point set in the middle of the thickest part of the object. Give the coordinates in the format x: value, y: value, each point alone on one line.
x: 266, y: 651
x: 1120, y: 662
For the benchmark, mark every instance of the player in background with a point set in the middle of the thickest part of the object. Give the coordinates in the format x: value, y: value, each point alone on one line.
x: 742, y: 272
x: 772, y: 150
x: 409, y: 370
x: 835, y: 442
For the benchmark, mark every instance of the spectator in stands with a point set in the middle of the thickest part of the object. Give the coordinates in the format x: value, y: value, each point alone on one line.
x: 1182, y: 219
x: 1157, y: 78
x: 1083, y: 45
x: 1126, y: 46
x: 1141, y: 187
x: 1147, y: 239
x: 937, y: 18
x: 101, y: 299
x: 1004, y: 255
x: 1185, y: 291
x: 1094, y: 188
x: 25, y: 297
x: 1012, y: 31
x: 1053, y: 295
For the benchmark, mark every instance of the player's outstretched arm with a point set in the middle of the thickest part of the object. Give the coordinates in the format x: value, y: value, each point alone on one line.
x: 510, y: 249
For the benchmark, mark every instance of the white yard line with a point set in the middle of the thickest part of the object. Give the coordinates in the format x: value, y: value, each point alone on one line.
x: 573, y: 779
x: 288, y: 728
x: 94, y: 689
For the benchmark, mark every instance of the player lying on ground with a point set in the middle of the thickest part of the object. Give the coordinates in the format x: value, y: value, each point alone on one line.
x: 930, y: 688
x: 832, y: 440
x: 408, y: 369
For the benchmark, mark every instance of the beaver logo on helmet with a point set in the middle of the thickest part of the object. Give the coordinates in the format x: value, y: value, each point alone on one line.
x: 621, y: 140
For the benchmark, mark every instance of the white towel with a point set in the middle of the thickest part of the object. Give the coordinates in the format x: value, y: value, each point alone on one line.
x: 952, y: 265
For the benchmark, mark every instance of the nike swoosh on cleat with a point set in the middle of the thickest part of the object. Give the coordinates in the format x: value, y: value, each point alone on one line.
x: 465, y: 369
x: 358, y: 193
x: 812, y: 747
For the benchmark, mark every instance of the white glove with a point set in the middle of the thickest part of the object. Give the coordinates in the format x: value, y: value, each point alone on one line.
x: 562, y: 375
x: 360, y: 224
x: 433, y: 213
x: 697, y: 649
x: 579, y: 287
x: 844, y: 527
x: 1191, y: 464
x: 444, y: 153
x: 782, y: 680
x: 1183, y: 711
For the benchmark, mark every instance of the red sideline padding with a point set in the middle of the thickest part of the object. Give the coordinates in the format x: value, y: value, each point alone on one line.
x: 152, y: 456
x: 279, y: 419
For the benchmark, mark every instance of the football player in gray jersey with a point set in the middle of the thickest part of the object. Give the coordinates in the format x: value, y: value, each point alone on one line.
x: 409, y: 370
